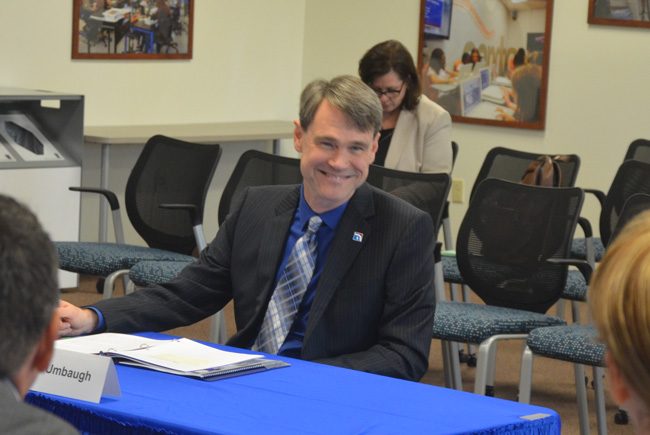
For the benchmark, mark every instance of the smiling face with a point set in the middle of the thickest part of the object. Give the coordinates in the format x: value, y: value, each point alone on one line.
x: 335, y: 157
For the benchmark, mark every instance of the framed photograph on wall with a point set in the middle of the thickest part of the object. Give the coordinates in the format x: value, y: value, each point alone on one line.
x: 625, y: 13
x: 132, y: 29
x: 486, y: 61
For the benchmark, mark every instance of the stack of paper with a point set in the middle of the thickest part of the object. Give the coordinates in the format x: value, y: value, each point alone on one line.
x: 178, y: 356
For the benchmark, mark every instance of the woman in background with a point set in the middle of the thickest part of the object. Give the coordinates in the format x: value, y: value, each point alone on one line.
x: 415, y: 131
x: 526, y: 82
x: 619, y: 296
x: 438, y: 73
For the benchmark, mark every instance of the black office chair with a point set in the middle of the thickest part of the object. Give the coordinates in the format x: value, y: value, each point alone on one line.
x: 578, y: 344
x: 510, y: 165
x: 254, y: 168
x: 165, y: 196
x: 426, y: 191
x: 632, y: 177
x: 446, y: 223
x: 639, y: 150
x: 507, y: 236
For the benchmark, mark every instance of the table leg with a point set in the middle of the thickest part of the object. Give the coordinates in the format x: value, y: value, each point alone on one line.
x: 276, y: 146
x: 103, y: 183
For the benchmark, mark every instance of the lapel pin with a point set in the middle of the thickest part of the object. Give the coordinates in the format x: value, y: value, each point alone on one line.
x: 357, y: 236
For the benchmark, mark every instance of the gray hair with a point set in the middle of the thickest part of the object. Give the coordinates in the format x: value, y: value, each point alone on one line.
x: 28, y: 284
x: 348, y: 94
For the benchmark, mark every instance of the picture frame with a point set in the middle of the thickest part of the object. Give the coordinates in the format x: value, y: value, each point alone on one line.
x: 470, y: 52
x: 132, y: 29
x: 622, y: 13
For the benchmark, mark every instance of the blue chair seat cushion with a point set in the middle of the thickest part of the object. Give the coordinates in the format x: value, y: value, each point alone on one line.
x: 102, y: 259
x: 576, y: 287
x: 450, y: 270
x: 579, y: 249
x: 474, y: 323
x: 573, y: 343
x: 147, y: 273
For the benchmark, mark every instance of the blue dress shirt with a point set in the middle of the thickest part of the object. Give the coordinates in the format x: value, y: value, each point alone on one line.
x: 324, y: 236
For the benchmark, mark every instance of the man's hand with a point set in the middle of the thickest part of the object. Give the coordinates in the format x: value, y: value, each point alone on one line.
x: 74, y: 320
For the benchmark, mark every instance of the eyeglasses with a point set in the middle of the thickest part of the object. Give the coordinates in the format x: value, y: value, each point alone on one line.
x: 390, y: 93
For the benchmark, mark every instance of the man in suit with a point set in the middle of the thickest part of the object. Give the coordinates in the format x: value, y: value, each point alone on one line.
x: 369, y: 303
x: 28, y: 326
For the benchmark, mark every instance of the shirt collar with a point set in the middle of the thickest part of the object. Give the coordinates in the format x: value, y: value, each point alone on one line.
x: 330, y: 218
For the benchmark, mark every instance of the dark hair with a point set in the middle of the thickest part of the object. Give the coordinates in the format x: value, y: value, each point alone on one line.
x: 348, y: 94
x: 436, y: 60
x: 387, y: 56
x: 475, y: 50
x: 28, y: 284
x: 466, y: 58
x: 520, y: 58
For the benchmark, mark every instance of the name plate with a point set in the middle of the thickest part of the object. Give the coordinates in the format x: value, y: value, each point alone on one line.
x: 79, y: 376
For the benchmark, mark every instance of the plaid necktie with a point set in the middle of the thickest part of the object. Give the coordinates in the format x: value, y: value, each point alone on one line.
x: 289, y: 291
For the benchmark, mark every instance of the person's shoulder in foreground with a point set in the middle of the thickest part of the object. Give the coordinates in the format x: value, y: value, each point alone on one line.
x: 619, y: 298
x: 28, y: 327
x: 19, y: 418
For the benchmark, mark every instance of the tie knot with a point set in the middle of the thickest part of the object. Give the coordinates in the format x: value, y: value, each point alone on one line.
x: 314, y: 224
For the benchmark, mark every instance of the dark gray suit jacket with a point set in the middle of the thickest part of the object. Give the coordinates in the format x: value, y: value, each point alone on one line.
x: 19, y: 418
x: 374, y: 303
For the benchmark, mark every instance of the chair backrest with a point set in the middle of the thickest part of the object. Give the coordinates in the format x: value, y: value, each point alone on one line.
x: 427, y: 192
x: 636, y: 204
x: 639, y: 149
x: 506, y: 237
x: 169, y: 171
x: 632, y: 177
x: 257, y: 168
x: 508, y: 164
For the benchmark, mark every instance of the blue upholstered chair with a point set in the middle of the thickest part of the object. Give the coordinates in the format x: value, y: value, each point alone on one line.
x: 505, y: 242
x: 165, y: 196
x: 510, y: 165
x: 578, y: 344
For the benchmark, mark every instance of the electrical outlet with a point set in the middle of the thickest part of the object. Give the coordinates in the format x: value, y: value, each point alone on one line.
x: 458, y: 190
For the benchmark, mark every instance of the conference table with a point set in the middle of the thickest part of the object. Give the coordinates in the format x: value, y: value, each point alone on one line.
x: 304, y: 398
x: 215, y: 132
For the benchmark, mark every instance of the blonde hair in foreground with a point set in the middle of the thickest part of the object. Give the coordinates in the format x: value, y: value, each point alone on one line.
x: 620, y: 304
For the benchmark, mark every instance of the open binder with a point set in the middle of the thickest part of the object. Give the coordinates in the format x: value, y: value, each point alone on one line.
x: 180, y: 356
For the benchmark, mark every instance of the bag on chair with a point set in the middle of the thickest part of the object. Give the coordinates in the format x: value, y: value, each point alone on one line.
x: 544, y: 171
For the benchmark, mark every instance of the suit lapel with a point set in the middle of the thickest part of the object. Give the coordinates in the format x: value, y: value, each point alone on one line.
x: 272, y: 246
x: 342, y: 251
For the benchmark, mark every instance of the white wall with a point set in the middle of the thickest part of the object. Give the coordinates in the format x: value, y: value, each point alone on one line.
x: 252, y: 58
x: 247, y: 65
x: 597, y: 97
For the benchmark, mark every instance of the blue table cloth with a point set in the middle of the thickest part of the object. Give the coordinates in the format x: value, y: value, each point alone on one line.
x: 305, y: 398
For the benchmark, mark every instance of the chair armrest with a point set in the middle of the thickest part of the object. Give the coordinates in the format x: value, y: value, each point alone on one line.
x: 190, y: 208
x: 599, y: 194
x: 110, y: 196
x: 583, y: 265
x: 586, y: 226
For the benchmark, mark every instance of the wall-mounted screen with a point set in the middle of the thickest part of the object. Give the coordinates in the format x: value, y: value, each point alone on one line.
x: 437, y: 18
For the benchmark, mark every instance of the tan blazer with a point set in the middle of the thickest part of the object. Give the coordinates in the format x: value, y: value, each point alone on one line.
x: 422, y: 139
